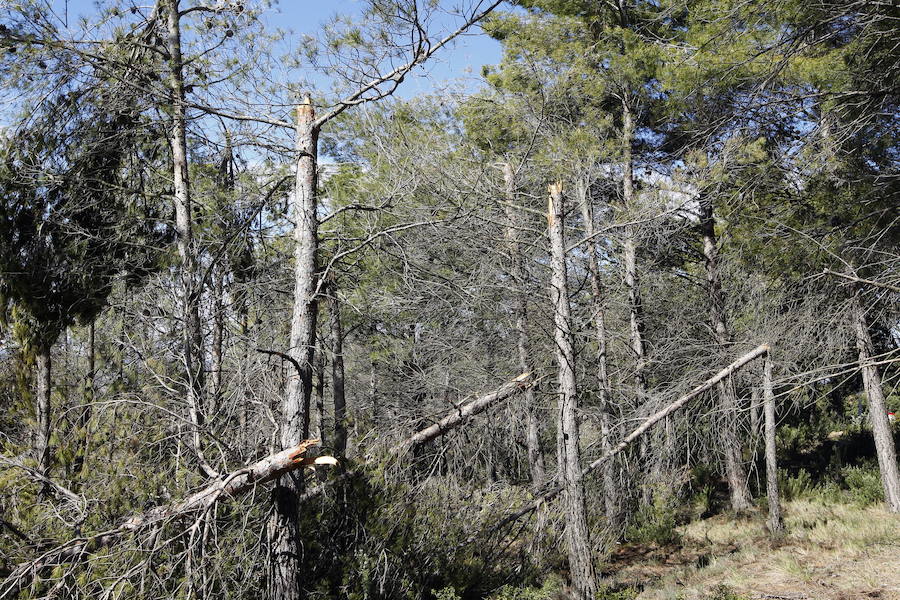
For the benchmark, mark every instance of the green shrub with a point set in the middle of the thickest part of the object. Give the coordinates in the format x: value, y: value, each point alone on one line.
x: 864, y: 484
x: 550, y: 590
x: 655, y: 524
x: 795, y: 487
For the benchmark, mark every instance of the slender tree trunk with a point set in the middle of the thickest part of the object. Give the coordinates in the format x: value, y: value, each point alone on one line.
x: 218, y: 339
x: 517, y: 274
x: 42, y: 408
x: 320, y: 393
x: 190, y: 292
x: 881, y: 426
x: 775, y: 522
x: 610, y: 489
x: 337, y: 372
x: 632, y: 282
x: 285, y: 532
x: 84, y: 418
x: 577, y: 535
x: 728, y: 434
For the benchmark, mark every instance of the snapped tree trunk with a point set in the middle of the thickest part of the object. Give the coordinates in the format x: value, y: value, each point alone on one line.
x: 610, y: 489
x: 42, y: 408
x: 729, y: 439
x: 581, y: 566
x: 337, y: 372
x: 775, y: 522
x: 284, y: 529
x: 881, y: 426
x: 320, y: 392
x: 192, y: 353
x: 517, y: 274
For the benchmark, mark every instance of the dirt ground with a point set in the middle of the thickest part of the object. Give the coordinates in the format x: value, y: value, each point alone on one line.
x: 830, y: 552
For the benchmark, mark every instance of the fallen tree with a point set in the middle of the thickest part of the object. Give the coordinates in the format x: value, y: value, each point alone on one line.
x: 228, y: 485
x: 457, y: 417
x: 631, y: 437
x: 240, y: 482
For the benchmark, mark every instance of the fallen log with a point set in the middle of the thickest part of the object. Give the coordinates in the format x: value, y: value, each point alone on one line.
x: 457, y: 417
x: 241, y: 481
x: 229, y: 485
x: 631, y: 437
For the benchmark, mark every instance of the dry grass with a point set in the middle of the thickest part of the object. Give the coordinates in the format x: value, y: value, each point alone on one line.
x: 830, y: 552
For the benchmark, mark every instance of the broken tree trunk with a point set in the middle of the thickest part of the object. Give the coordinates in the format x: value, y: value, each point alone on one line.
x: 231, y: 485
x: 775, y: 523
x: 454, y: 419
x: 638, y: 432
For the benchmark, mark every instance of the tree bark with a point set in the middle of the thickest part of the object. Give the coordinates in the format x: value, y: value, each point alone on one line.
x: 881, y: 426
x: 320, y: 392
x: 775, y: 522
x: 610, y: 489
x: 337, y: 373
x: 581, y: 566
x: 190, y: 292
x: 728, y: 434
x: 284, y: 529
x: 42, y: 408
x: 517, y: 274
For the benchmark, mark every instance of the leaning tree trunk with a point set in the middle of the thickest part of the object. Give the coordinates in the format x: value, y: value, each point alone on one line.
x: 190, y: 292
x: 517, y: 274
x: 218, y: 340
x: 775, y: 522
x: 284, y: 528
x: 881, y: 426
x: 337, y: 372
x: 729, y: 439
x: 577, y: 536
x: 610, y: 489
x: 42, y: 409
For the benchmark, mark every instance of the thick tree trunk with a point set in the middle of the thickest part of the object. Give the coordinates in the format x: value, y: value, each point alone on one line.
x: 728, y: 433
x: 42, y: 409
x: 881, y: 426
x: 337, y: 373
x: 775, y: 522
x: 190, y: 292
x: 581, y: 566
x: 284, y: 529
x: 610, y: 489
x: 517, y: 274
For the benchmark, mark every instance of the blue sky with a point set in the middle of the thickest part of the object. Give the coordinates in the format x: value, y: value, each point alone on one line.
x: 460, y: 62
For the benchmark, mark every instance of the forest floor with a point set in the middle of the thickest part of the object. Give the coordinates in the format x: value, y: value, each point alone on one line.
x: 830, y: 552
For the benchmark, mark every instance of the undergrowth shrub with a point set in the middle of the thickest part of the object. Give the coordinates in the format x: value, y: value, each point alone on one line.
x: 655, y: 523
